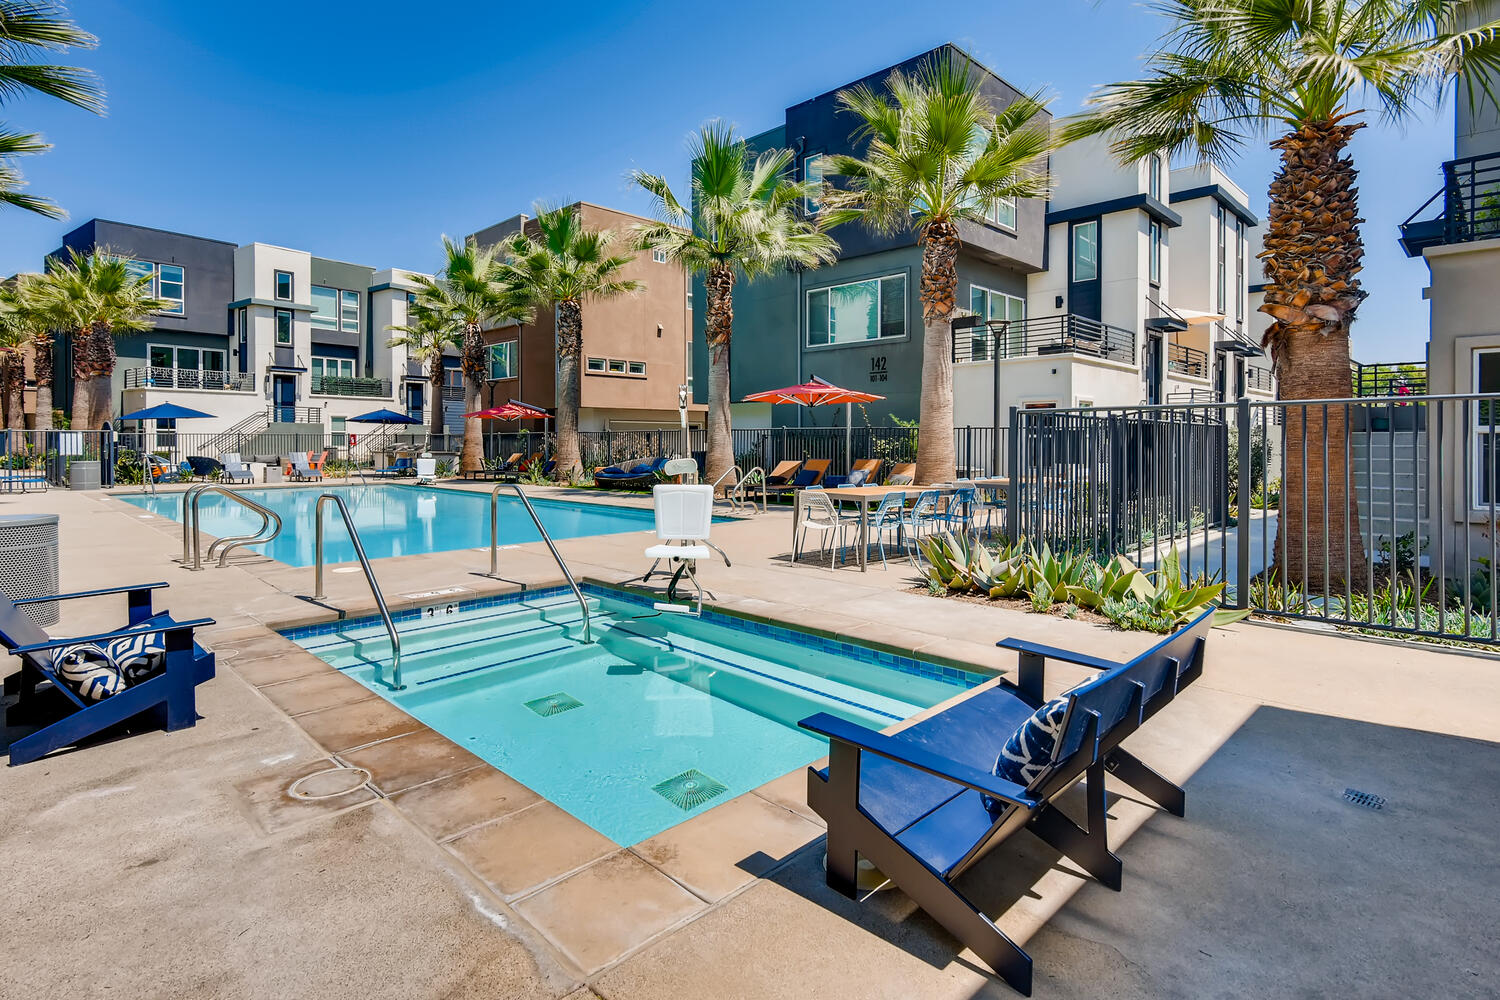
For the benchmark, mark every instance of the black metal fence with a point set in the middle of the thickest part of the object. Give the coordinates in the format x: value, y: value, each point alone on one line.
x: 33, y: 460
x: 1372, y: 513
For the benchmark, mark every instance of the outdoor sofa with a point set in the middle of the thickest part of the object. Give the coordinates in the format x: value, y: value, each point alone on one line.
x: 636, y: 475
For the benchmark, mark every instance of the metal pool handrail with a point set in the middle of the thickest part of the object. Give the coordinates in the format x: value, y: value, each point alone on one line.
x: 192, y: 544
x: 583, y: 604
x: 364, y: 564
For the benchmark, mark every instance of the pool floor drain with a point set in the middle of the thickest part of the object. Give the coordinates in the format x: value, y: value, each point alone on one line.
x: 329, y: 783
x: 688, y: 790
x: 553, y: 704
x: 1365, y: 800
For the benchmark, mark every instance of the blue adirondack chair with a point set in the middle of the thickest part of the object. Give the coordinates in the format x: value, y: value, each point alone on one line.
x: 169, y: 694
x: 923, y: 804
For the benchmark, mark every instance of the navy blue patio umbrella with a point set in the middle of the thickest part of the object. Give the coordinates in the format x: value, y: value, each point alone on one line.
x: 383, y: 417
x: 166, y: 411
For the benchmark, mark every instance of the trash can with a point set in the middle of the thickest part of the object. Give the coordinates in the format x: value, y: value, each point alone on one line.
x: 28, y: 562
x: 83, y: 474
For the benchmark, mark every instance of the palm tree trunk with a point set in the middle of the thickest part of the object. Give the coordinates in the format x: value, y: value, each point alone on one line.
x: 1312, y: 259
x: 569, y: 391
x: 83, y: 384
x: 936, y: 458
x: 103, y: 354
x: 471, y: 459
x: 8, y: 361
x: 15, y: 392
x: 718, y: 332
x: 435, y: 387
x: 41, y: 366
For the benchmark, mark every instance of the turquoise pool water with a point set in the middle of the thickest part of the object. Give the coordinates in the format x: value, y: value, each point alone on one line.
x: 661, y: 718
x: 395, y: 520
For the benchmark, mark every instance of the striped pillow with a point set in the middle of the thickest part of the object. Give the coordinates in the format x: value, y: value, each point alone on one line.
x: 89, y: 671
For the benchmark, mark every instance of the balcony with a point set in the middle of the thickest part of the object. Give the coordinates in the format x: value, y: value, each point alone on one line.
x: 188, y: 378
x: 1047, y: 335
x: 1258, y: 379
x: 1470, y: 199
x: 343, y: 385
x: 1187, y: 361
x: 1405, y: 378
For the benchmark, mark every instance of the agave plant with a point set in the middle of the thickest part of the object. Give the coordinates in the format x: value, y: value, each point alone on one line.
x: 948, y: 558
x: 1051, y: 576
x: 1111, y: 582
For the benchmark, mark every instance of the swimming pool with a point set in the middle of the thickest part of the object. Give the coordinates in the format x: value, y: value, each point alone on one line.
x: 662, y: 717
x: 395, y: 519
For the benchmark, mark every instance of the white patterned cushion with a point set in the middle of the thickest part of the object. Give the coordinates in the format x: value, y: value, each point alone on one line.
x: 89, y: 671
x: 139, y: 656
x: 1029, y: 750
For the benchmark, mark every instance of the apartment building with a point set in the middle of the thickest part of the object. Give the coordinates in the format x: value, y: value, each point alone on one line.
x: 259, y: 335
x: 636, y: 348
x: 1097, y: 310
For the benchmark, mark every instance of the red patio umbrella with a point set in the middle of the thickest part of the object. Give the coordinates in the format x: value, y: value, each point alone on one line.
x: 513, y: 410
x: 820, y: 392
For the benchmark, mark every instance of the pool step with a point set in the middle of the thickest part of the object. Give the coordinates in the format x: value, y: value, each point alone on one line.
x: 488, y: 653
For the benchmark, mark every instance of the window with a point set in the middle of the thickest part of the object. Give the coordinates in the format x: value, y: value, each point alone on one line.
x: 242, y: 334
x: 1003, y: 213
x: 1223, y: 264
x: 659, y: 255
x: 814, y: 171
x: 1085, y: 251
x: 349, y: 311
x: 283, y: 284
x: 616, y: 367
x: 1153, y: 170
x: 332, y: 368
x: 186, y: 367
x: 1240, y: 290
x: 325, y: 308
x: 411, y: 301
x: 992, y: 306
x: 338, y: 426
x: 1156, y: 241
x: 857, y: 312
x: 596, y: 364
x: 1486, y: 426
x: 637, y: 367
x: 283, y: 326
x: 166, y: 282
x: 503, y: 360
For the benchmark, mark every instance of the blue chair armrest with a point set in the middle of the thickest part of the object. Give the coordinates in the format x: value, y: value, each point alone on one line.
x: 1054, y: 653
x: 102, y: 592
x: 50, y: 644
x: 923, y: 760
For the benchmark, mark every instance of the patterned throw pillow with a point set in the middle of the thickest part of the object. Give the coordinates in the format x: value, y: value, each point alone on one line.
x: 1029, y: 750
x: 89, y: 671
x: 139, y: 656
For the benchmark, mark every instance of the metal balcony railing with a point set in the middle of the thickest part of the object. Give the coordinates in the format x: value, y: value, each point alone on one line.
x: 344, y: 385
x: 1398, y: 379
x: 1066, y: 334
x: 1470, y: 198
x: 1187, y: 361
x: 1258, y: 379
x: 188, y: 378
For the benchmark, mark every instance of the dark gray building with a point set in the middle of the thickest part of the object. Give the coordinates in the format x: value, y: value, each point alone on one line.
x: 190, y: 346
x: 858, y: 322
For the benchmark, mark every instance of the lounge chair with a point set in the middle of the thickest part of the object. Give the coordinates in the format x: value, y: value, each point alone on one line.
x: 319, y: 462
x: 400, y: 467
x: 902, y: 474
x: 235, y: 471
x: 162, y: 471
x: 23, y: 480
x: 782, y: 474
x: 495, y: 469
x: 864, y: 473
x: 811, y: 474
x: 302, y: 470
x: 149, y: 664
x: 204, y: 467
x: 635, y: 475
x: 925, y: 803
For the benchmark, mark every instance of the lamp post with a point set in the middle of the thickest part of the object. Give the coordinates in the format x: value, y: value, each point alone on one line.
x: 682, y: 414
x: 997, y: 328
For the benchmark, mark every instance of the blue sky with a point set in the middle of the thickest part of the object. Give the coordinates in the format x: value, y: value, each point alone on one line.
x: 364, y: 131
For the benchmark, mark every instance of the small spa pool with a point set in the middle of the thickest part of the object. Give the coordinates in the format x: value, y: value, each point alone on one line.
x: 662, y: 717
x: 395, y: 519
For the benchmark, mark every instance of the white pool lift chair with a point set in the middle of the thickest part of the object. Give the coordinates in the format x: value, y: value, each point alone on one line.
x: 426, y: 470
x: 684, y: 515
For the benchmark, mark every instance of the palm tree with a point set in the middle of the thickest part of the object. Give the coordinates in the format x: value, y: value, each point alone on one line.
x: 743, y: 223
x: 29, y: 309
x: 95, y: 297
x: 938, y: 154
x: 427, y: 335
x: 562, y: 266
x: 468, y: 293
x: 1303, y: 74
x: 15, y: 334
x: 28, y: 29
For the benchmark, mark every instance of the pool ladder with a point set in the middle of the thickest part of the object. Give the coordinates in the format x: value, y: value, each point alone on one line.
x: 494, y: 573
x: 192, y: 543
x: 364, y: 564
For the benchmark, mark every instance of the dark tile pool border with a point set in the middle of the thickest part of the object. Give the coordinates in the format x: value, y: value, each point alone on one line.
x: 796, y: 636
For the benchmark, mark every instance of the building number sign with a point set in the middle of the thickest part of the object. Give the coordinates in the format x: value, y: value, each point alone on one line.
x: 877, y: 369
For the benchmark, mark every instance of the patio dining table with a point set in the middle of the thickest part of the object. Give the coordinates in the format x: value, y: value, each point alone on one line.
x: 864, y: 497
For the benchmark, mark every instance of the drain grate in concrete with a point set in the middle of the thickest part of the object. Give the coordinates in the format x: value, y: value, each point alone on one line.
x: 1365, y: 800
x: 553, y: 704
x: 689, y: 790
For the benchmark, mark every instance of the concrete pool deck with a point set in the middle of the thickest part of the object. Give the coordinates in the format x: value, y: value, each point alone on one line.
x: 175, y: 864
